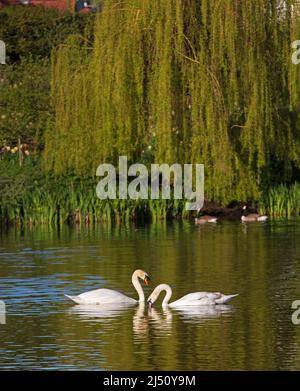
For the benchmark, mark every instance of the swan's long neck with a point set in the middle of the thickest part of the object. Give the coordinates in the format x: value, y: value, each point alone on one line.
x: 168, y: 295
x: 160, y: 288
x: 138, y: 287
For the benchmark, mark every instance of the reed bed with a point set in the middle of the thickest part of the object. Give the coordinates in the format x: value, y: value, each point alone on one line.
x: 28, y: 196
x: 77, y: 203
x: 282, y: 201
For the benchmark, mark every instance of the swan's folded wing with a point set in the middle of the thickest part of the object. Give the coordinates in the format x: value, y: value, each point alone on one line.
x: 194, y: 296
x: 198, y: 298
x: 104, y: 296
x: 201, y: 295
x: 190, y: 298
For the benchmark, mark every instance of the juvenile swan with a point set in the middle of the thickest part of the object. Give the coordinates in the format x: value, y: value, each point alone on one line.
x: 109, y: 296
x: 197, y: 298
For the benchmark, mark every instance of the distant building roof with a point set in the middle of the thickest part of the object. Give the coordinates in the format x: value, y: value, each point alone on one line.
x: 6, y: 3
x: 63, y: 5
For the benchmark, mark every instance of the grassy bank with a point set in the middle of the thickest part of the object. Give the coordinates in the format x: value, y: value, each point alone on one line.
x: 282, y: 201
x: 29, y: 196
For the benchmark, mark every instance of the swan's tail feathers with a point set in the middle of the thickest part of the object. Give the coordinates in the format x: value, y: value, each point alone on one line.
x: 74, y: 298
x: 225, y: 298
x: 262, y: 218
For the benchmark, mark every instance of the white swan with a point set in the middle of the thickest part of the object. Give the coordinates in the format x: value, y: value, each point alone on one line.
x: 197, y: 298
x: 109, y: 296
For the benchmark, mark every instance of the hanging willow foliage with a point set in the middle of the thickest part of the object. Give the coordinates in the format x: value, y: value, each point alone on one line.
x: 187, y: 81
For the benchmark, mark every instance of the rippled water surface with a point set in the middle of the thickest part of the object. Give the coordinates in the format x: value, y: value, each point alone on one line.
x: 43, y: 330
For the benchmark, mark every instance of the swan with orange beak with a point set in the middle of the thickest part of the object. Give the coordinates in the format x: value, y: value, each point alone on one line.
x: 105, y: 296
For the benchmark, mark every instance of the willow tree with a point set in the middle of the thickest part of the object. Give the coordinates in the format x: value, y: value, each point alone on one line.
x: 188, y: 81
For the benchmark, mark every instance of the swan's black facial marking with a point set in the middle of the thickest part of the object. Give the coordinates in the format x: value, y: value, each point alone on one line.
x: 146, y: 279
x: 149, y: 302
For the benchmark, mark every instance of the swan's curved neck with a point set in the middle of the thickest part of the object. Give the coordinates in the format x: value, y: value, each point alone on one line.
x: 157, y: 291
x: 138, y: 287
x: 168, y: 295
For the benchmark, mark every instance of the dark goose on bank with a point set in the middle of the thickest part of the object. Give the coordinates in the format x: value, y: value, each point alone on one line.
x: 206, y: 219
x: 252, y: 216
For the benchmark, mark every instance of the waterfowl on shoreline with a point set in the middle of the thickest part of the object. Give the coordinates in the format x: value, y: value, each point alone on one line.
x: 252, y: 216
x: 109, y: 296
x: 191, y: 299
x: 205, y: 219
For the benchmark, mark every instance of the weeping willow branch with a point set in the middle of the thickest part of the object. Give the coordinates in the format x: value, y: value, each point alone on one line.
x: 167, y: 81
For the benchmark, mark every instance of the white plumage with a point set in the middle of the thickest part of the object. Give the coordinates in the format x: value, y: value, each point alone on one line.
x: 105, y: 296
x: 191, y: 299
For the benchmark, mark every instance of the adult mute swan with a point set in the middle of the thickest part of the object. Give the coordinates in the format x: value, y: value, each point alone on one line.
x: 197, y: 298
x: 109, y: 296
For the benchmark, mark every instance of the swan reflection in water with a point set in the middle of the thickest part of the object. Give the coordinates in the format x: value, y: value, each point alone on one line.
x: 98, y: 312
x: 146, y: 318
x: 160, y: 321
x: 203, y: 313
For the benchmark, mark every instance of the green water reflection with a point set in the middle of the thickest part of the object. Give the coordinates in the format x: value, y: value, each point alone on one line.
x: 260, y: 261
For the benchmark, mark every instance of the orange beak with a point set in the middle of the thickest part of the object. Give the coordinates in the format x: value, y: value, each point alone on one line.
x: 147, y: 280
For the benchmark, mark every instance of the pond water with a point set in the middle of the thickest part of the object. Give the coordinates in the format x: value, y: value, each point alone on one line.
x: 44, y: 330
